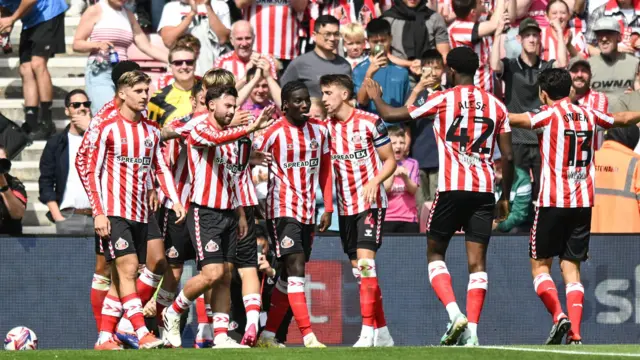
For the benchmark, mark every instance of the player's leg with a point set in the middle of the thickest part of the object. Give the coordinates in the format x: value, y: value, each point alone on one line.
x: 156, y: 262
x: 100, y: 283
x: 247, y: 264
x: 110, y: 315
x: 204, y: 316
x: 167, y: 291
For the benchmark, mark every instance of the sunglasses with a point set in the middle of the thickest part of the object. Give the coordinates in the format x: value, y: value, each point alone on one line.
x: 77, y: 105
x: 183, y: 62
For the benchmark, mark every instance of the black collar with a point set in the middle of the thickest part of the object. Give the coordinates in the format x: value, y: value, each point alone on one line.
x: 523, y: 65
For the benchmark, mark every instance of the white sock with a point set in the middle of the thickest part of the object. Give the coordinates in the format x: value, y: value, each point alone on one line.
x: 252, y: 303
x: 367, y: 331
x: 125, y: 326
x: 142, y: 332
x: 104, y: 337
x: 473, y: 328
x: 204, y: 332
x: 307, y: 337
x: 182, y: 302
x: 453, y: 310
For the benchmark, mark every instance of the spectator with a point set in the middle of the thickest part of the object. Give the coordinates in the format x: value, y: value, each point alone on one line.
x: 346, y: 12
x: 392, y: 78
x: 354, y: 42
x: 520, y: 215
x: 208, y: 20
x: 14, y: 198
x: 534, y: 9
x: 174, y: 101
x: 415, y: 29
x: 105, y: 27
x: 188, y: 41
x: 614, y: 72
x: 425, y: 148
x: 402, y: 213
x: 322, y: 60
x: 243, y: 58
x: 520, y: 76
x: 265, y: 91
x: 582, y: 93
x: 625, y: 14
x: 558, y: 15
x: 42, y: 37
x: 617, y: 202
x: 69, y: 210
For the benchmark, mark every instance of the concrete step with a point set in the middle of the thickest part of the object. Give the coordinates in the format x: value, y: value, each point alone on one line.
x: 11, y: 87
x: 36, y: 214
x: 68, y: 40
x: 59, y: 67
x: 33, y: 191
x: 32, y: 152
x: 39, y: 230
x: 26, y: 170
x: 14, y: 109
x: 70, y: 26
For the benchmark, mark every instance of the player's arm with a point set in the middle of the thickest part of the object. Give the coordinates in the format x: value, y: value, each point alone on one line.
x: 167, y: 185
x: 299, y: 5
x: 93, y: 149
x: 522, y: 121
x: 387, y: 112
x: 488, y: 28
x: 625, y: 118
x: 385, y: 152
x: 326, y: 185
x: 504, y: 143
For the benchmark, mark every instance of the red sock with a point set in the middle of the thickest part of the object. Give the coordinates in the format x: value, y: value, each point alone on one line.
x: 220, y: 324
x: 476, y: 291
x: 368, y: 289
x: 146, y: 285
x: 111, y: 314
x: 201, y: 311
x: 441, y: 282
x: 575, y: 299
x: 132, y: 305
x: 380, y: 320
x: 99, y: 289
x: 163, y: 300
x: 298, y: 303
x: 546, y: 290
x: 278, y: 308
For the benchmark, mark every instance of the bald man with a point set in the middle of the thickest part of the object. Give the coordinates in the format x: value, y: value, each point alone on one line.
x: 243, y: 58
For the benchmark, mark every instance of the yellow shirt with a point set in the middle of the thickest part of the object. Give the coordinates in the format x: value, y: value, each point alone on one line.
x: 168, y: 104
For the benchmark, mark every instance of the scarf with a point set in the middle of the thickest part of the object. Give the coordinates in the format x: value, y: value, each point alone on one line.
x: 414, y: 34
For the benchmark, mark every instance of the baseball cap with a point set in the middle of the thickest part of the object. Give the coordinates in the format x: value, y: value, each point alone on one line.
x: 607, y: 23
x: 579, y: 61
x: 121, y: 68
x: 528, y: 23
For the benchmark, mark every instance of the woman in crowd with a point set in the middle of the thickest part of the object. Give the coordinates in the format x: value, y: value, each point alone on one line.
x: 106, y: 31
x: 558, y: 11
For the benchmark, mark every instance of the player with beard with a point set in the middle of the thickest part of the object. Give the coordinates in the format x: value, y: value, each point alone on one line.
x: 212, y: 221
x: 581, y: 92
x: 362, y: 159
x: 299, y: 146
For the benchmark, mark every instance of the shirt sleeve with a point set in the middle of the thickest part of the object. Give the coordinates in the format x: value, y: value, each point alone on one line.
x: 429, y: 108
x: 415, y: 173
x: 602, y: 120
x: 540, y: 120
x: 90, y: 167
x: 203, y: 135
x: 290, y: 74
x: 380, y: 134
x: 170, y: 16
x: 440, y: 32
x: 504, y: 122
x: 164, y: 175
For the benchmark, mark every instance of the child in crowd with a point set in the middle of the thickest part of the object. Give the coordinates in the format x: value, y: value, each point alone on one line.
x: 354, y: 42
x: 265, y: 92
x: 402, y: 213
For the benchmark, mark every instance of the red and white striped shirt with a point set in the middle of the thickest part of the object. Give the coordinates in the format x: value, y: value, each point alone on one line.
x: 467, y: 120
x: 595, y: 100
x: 276, y: 27
x: 214, y: 163
x: 300, y: 161
x: 355, y: 159
x: 115, y: 175
x: 565, y: 136
x: 245, y: 190
x: 465, y: 33
x: 549, y: 43
x: 231, y: 62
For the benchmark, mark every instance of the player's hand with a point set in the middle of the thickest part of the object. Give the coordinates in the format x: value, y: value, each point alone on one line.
x: 264, y: 120
x: 154, y: 203
x: 102, y: 225
x: 260, y: 158
x: 502, y: 210
x: 325, y: 222
x: 181, y: 213
x: 241, y: 118
x: 372, y: 88
x: 243, y: 227
x: 370, y: 192
x: 6, y: 24
x: 149, y: 309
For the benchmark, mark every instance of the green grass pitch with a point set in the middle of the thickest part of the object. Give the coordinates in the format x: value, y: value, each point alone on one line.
x: 339, y: 353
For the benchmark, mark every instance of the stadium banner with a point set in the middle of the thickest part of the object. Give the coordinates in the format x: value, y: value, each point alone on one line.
x: 45, y: 284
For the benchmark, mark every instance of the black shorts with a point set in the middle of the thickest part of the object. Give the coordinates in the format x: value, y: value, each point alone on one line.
x: 129, y: 237
x: 290, y: 236
x: 361, y: 231
x: 177, y: 241
x: 45, y: 39
x: 247, y: 249
x: 214, y: 234
x: 98, y: 245
x: 562, y: 232
x: 461, y: 210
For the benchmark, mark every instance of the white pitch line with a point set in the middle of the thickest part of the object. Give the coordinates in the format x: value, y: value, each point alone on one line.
x: 562, y: 351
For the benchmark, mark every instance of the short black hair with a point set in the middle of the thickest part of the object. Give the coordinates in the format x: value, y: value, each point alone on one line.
x: 70, y: 94
x: 555, y: 82
x: 397, y: 130
x: 340, y: 80
x: 463, y: 60
x: 289, y: 88
x: 378, y: 27
x: 324, y: 20
x: 463, y: 8
x: 551, y: 2
x: 432, y: 56
x: 121, y: 68
x: 261, y: 232
x: 197, y: 87
x: 218, y: 91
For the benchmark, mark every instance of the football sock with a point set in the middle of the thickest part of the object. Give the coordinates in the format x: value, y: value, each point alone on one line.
x: 132, y: 305
x: 252, y: 304
x: 298, y: 303
x: 547, y: 292
x: 380, y: 320
x: 441, y: 284
x: 201, y: 311
x: 356, y: 274
x: 111, y: 313
x: 179, y: 305
x: 575, y: 299
x: 368, y: 288
x: 277, y: 309
x: 476, y: 292
x: 147, y: 284
x: 220, y: 324
x: 99, y: 289
x: 163, y: 300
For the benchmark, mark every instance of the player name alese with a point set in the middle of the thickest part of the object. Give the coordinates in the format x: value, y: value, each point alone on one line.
x: 462, y: 105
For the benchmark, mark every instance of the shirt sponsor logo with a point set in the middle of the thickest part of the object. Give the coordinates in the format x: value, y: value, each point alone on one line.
x: 286, y: 243
x: 576, y: 175
x: 272, y: 2
x: 211, y: 246
x: 145, y: 161
x: 360, y: 154
x: 121, y: 244
x: 469, y: 159
x: 611, y: 84
x: 307, y: 163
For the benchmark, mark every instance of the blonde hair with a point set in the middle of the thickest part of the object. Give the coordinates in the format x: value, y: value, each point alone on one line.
x: 218, y: 77
x: 190, y: 41
x: 352, y: 31
x: 131, y: 78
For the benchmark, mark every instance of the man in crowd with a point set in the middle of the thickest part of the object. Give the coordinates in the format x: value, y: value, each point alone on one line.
x: 41, y: 38
x: 625, y: 13
x: 582, y: 93
x: 209, y: 21
x: 322, y: 60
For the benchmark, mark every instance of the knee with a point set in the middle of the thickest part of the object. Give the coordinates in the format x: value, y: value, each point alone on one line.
x: 25, y: 70
x: 157, y: 263
x: 127, y: 269
x: 476, y: 265
x: 38, y: 64
x: 102, y: 268
x: 212, y: 273
x: 295, y: 268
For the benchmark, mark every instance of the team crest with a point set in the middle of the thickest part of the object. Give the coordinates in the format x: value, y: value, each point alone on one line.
x: 121, y: 244
x: 148, y: 142
x: 172, y: 253
x: 211, y: 246
x: 314, y: 144
x: 356, y: 138
x: 233, y: 325
x: 286, y: 243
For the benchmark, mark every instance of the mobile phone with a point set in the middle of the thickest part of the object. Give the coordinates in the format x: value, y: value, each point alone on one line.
x: 426, y: 70
x: 260, y: 249
x: 377, y: 49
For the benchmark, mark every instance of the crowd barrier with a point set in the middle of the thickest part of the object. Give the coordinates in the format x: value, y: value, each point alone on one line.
x: 45, y: 283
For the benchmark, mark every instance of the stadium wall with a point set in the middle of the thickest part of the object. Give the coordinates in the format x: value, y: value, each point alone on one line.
x: 45, y: 283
